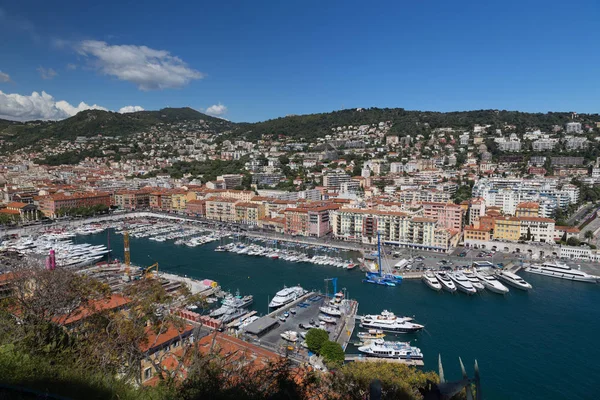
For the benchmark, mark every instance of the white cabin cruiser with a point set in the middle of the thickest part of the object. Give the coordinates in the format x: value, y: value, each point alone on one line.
x: 561, y: 271
x: 290, y: 336
x: 446, y: 282
x: 480, y: 287
x: 462, y: 283
x: 431, y: 281
x: 330, y: 311
x: 388, y: 322
x: 382, y: 349
x: 513, y: 280
x: 491, y: 283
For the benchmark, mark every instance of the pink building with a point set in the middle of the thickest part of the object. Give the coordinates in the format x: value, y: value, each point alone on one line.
x: 448, y: 215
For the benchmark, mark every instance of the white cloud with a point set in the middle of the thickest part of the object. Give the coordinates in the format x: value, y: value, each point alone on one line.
x: 148, y: 68
x: 4, y: 77
x: 217, y: 110
x: 38, y: 106
x: 130, y: 109
x: 46, y: 73
x: 71, y: 66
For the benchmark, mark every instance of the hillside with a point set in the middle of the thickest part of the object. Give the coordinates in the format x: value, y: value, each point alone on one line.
x: 307, y: 127
x: 106, y: 123
x: 404, y: 122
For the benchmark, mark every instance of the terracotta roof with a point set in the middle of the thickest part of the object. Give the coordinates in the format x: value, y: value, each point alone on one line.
x: 92, y: 307
x: 423, y: 219
x: 157, y: 339
x: 12, y: 212
x: 529, y: 204
x: 572, y: 229
x: 16, y: 204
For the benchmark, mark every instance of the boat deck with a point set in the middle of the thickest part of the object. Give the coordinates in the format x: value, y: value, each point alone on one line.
x: 361, y: 358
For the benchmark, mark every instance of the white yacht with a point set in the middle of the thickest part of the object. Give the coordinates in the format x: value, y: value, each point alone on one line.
x: 462, y: 283
x: 491, y: 283
x: 513, y: 280
x: 446, y: 282
x: 562, y: 271
x: 431, y: 281
x: 388, y: 322
x: 480, y: 287
x: 381, y: 348
x: 287, y: 295
x: 331, y: 311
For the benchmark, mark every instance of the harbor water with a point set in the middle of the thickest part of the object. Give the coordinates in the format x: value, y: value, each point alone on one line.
x: 536, y: 345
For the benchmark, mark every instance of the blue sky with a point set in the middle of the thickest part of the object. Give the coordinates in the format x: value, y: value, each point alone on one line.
x: 257, y: 60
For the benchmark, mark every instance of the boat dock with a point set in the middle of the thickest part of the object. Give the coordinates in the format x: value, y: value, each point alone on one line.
x: 361, y: 358
x: 237, y: 321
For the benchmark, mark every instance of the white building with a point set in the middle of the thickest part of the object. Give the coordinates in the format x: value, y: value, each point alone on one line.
x: 573, y: 127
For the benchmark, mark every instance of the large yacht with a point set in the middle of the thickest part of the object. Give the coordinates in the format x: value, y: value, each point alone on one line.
x: 286, y: 295
x: 480, y: 287
x: 381, y: 348
x: 513, y: 280
x: 562, y: 271
x: 462, y: 282
x: 389, y: 322
x: 431, y: 281
x: 491, y: 283
x: 446, y: 282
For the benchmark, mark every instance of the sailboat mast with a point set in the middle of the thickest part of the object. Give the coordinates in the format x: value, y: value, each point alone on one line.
x: 379, y: 251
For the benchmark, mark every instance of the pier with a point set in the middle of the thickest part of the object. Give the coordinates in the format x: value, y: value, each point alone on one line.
x: 361, y: 358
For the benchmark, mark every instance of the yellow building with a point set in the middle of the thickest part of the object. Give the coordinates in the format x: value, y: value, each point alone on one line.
x: 221, y: 209
x: 528, y: 209
x: 473, y: 233
x: 249, y: 213
x: 507, y: 228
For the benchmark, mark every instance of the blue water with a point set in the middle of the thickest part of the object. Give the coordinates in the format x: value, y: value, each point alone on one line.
x: 536, y: 345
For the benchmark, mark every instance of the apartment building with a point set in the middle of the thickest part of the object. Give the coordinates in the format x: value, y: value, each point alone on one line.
x: 196, y: 208
x: 51, y: 204
x: 333, y: 180
x: 448, y: 215
x: 221, y: 209
x: 527, y: 209
x: 309, y: 221
x: 131, y: 199
x: 395, y: 227
x: 249, y: 213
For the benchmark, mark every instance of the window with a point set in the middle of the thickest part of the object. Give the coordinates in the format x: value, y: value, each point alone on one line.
x: 147, y: 373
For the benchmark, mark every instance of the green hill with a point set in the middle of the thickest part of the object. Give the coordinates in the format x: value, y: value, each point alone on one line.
x: 308, y: 127
x: 106, y: 123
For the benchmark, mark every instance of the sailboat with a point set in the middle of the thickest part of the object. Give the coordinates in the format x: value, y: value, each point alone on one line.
x: 379, y: 277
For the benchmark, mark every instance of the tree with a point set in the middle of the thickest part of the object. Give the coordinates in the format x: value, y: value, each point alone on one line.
x: 573, y: 241
x: 332, y: 353
x: 315, y: 339
x: 399, y: 382
x: 588, y: 235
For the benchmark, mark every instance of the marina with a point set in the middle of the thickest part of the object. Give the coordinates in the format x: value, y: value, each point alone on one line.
x: 446, y: 318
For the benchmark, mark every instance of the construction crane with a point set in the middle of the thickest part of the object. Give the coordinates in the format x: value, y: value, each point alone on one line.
x: 148, y: 271
x: 127, y: 253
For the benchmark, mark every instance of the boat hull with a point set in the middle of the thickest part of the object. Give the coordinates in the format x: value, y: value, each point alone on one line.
x: 513, y: 284
x: 558, y: 275
x: 414, y: 329
x: 432, y: 286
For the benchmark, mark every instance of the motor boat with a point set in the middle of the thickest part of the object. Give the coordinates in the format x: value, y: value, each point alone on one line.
x: 491, y: 283
x: 388, y: 322
x: 287, y: 295
x: 372, y: 334
x: 514, y: 280
x: 399, y: 350
x: 327, y: 319
x: 462, y: 283
x: 445, y: 281
x: 561, y: 271
x: 431, y: 281
x: 480, y: 287
x: 290, y: 336
x: 331, y: 311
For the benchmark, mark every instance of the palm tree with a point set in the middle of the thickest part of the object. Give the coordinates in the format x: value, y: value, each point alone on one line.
x: 588, y: 235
